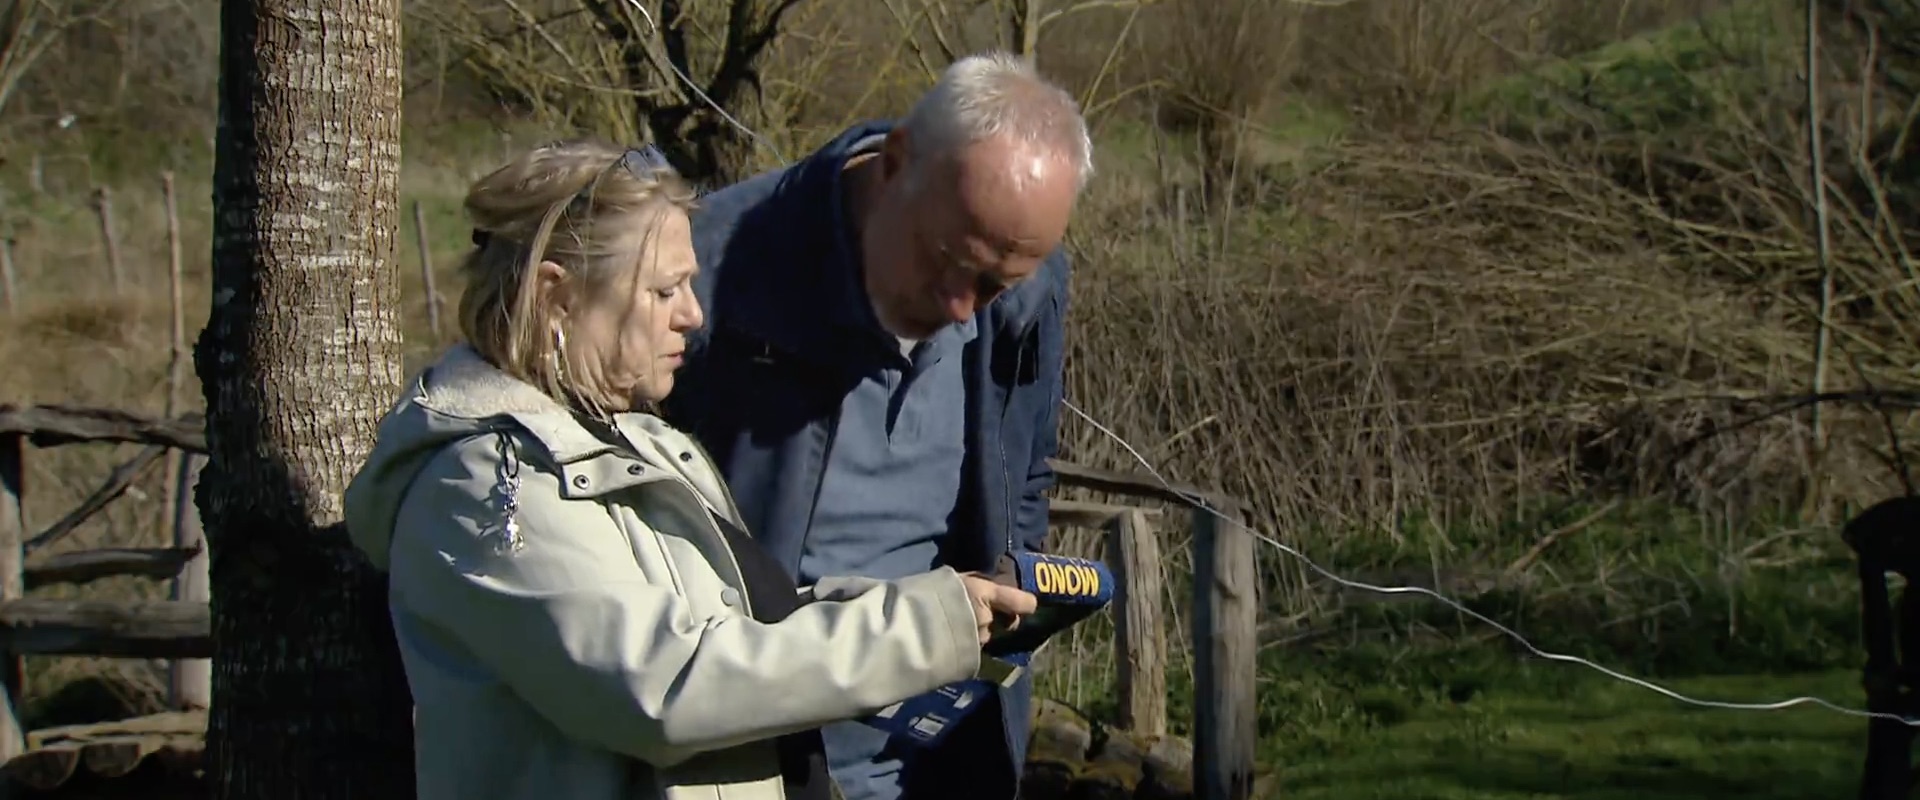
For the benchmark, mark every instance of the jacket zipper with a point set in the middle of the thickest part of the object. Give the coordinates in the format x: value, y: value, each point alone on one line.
x: 1006, y: 476
x: 820, y: 467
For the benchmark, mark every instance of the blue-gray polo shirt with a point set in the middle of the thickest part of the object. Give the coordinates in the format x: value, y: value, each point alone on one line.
x: 891, y: 484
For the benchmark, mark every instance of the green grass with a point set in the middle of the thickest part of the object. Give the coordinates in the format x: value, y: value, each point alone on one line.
x: 1408, y: 698
x: 1456, y: 719
x: 1669, y: 80
x: 1594, y: 738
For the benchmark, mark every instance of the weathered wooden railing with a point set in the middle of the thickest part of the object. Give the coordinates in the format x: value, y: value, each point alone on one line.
x: 178, y: 629
x: 1222, y: 617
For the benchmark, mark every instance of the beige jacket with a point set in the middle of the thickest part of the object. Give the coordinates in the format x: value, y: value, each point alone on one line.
x: 573, y: 624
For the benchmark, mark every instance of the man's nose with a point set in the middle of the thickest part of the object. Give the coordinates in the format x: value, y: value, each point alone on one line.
x: 960, y: 311
x: 961, y: 304
x: 962, y: 297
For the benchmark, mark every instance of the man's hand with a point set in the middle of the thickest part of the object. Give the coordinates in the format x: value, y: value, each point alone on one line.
x: 993, y: 601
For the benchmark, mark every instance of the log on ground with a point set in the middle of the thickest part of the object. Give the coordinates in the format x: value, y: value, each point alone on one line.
x: 152, y: 756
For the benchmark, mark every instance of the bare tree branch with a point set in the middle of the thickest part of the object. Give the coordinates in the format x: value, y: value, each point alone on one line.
x: 29, y: 28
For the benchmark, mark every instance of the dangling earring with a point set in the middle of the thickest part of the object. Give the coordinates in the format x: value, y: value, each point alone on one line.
x: 556, y: 358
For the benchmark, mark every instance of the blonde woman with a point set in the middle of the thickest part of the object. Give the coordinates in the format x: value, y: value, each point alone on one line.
x: 578, y: 609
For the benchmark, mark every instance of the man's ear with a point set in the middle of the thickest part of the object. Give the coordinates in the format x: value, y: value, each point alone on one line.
x: 893, y: 154
x: 550, y: 287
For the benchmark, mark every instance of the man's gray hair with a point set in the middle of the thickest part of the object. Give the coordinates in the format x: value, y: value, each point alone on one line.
x: 998, y: 93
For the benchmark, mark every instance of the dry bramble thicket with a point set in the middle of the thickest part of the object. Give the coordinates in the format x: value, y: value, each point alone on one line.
x: 1371, y: 265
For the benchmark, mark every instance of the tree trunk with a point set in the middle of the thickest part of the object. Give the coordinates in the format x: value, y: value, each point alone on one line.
x: 300, y: 356
x: 706, y: 148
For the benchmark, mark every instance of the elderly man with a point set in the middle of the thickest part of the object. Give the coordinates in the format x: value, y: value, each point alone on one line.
x: 880, y: 375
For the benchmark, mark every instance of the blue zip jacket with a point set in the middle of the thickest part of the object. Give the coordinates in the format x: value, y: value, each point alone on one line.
x: 762, y: 384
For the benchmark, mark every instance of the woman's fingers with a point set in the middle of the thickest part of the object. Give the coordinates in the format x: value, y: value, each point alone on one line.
x: 1011, y: 601
x: 993, y: 601
x: 980, y: 591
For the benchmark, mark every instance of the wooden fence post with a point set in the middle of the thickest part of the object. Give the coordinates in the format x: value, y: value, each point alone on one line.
x: 1225, y: 604
x: 13, y: 556
x: 426, y: 270
x: 190, y: 680
x: 8, y: 284
x: 103, y: 206
x: 1139, y: 640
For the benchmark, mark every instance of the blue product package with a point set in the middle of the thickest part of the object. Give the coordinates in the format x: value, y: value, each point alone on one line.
x: 1068, y: 590
x: 925, y: 720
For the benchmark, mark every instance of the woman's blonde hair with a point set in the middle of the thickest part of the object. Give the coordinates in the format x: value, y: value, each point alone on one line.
x: 588, y: 205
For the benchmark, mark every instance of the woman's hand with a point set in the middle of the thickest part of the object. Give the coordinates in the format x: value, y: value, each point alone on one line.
x: 992, y: 600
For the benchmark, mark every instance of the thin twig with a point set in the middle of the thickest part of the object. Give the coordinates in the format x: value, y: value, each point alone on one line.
x: 1817, y: 165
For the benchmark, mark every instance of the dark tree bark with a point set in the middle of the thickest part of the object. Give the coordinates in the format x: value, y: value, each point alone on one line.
x: 300, y: 356
x: 701, y: 144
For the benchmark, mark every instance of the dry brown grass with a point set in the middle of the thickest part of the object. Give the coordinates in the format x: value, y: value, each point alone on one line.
x: 74, y: 340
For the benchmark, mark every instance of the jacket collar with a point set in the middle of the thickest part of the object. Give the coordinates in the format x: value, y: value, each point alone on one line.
x: 463, y: 386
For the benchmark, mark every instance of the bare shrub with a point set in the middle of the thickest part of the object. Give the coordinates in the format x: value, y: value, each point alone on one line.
x: 1409, y: 62
x: 112, y: 66
x: 1458, y: 327
x: 645, y: 70
x: 1219, y: 63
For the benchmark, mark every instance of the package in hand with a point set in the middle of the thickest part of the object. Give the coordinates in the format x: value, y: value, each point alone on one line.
x: 1068, y: 590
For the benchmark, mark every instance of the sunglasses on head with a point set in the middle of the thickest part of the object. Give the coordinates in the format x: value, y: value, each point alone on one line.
x: 637, y: 161
x: 644, y: 159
